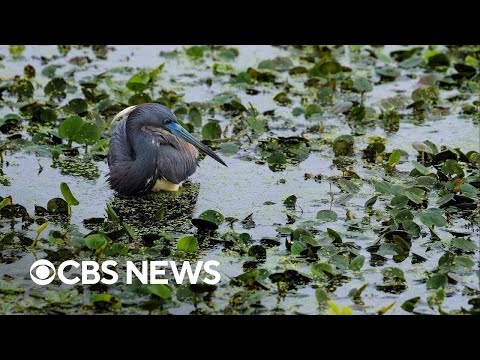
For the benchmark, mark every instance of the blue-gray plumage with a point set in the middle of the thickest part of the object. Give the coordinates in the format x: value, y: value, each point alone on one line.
x: 150, y: 150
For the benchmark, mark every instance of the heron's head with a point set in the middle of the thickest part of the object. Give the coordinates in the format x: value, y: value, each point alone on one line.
x: 162, y: 119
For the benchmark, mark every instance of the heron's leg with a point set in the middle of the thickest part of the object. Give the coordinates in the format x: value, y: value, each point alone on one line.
x: 165, y: 185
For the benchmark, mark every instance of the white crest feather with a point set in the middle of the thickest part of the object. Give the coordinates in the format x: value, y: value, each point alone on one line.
x: 123, y: 113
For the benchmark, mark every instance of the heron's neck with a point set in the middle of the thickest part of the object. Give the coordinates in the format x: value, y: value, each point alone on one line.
x: 135, y: 135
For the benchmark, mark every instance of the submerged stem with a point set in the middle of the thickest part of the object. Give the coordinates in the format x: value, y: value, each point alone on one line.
x: 331, y: 196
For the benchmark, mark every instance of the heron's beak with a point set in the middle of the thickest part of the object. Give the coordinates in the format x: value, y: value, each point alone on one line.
x: 178, y: 130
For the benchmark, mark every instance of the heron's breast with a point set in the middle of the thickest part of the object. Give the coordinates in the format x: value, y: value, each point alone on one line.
x: 165, y: 185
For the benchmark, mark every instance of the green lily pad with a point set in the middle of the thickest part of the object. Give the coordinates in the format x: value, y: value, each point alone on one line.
x: 370, y: 202
x: 394, y: 157
x: 327, y: 215
x: 161, y: 290
x: 194, y: 52
x: 290, y: 201
x: 228, y: 53
x: 321, y: 295
x: 139, y: 98
x: 348, y: 186
x: 388, y: 73
x: 409, y: 305
x: 415, y: 195
x: 211, y: 131
x: 57, y: 206
x: 106, y: 301
x: 195, y: 117
x: 88, y: 134
x: 228, y: 148
x: 399, y: 201
x: 437, y: 281
x: 69, y: 127
x: 258, y: 252
x: 278, y: 64
x: 212, y: 216
x: 330, y: 67
x: 337, y: 239
x: 357, y: 263
x: 77, y: 106
x: 298, y: 247
x: 16, y: 50
x: 318, y: 270
x: 362, y: 85
x: 452, y: 167
x: 256, y: 124
x: 138, y: 82
x: 222, y: 69
x: 437, y: 61
x: 312, y: 109
x: 432, y: 217
x: 188, y: 244
x: 343, y: 145
x: 282, y: 99
x: 463, y: 244
x: 55, y: 87
x: 277, y: 160
x: 95, y: 241
x: 24, y: 89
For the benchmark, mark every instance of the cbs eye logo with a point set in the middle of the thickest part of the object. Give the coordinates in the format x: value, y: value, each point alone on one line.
x: 42, y: 272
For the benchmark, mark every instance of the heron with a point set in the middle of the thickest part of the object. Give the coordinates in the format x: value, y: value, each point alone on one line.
x: 150, y: 151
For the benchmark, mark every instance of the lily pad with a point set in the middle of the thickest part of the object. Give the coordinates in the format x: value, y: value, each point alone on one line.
x: 55, y: 87
x: 160, y: 290
x: 357, y: 263
x: 312, y: 109
x: 57, y: 206
x: 343, y: 145
x: 394, y: 157
x: 437, y: 281
x: 327, y: 215
x: 195, y: 117
x: 362, y: 85
x: 95, y: 241
x: 69, y: 127
x: 432, y: 217
x: 88, y: 134
x: 106, y: 301
x: 138, y: 82
x: 278, y: 64
x: 188, y: 244
x: 77, y: 106
x: 228, y: 148
x: 463, y: 244
x: 290, y: 201
x: 211, y: 131
x: 194, y: 52
x: 256, y: 124
x: 282, y: 99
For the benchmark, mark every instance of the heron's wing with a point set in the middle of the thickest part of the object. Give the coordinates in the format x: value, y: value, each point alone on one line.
x: 120, y: 148
x: 159, y: 155
x: 176, y: 159
x: 129, y: 174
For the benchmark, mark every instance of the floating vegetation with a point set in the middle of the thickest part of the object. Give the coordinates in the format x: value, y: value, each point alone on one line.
x: 352, y: 184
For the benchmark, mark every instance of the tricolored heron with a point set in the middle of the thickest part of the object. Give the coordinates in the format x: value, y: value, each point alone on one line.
x: 151, y: 151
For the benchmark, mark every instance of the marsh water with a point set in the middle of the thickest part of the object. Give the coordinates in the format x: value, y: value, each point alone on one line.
x: 247, y: 187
